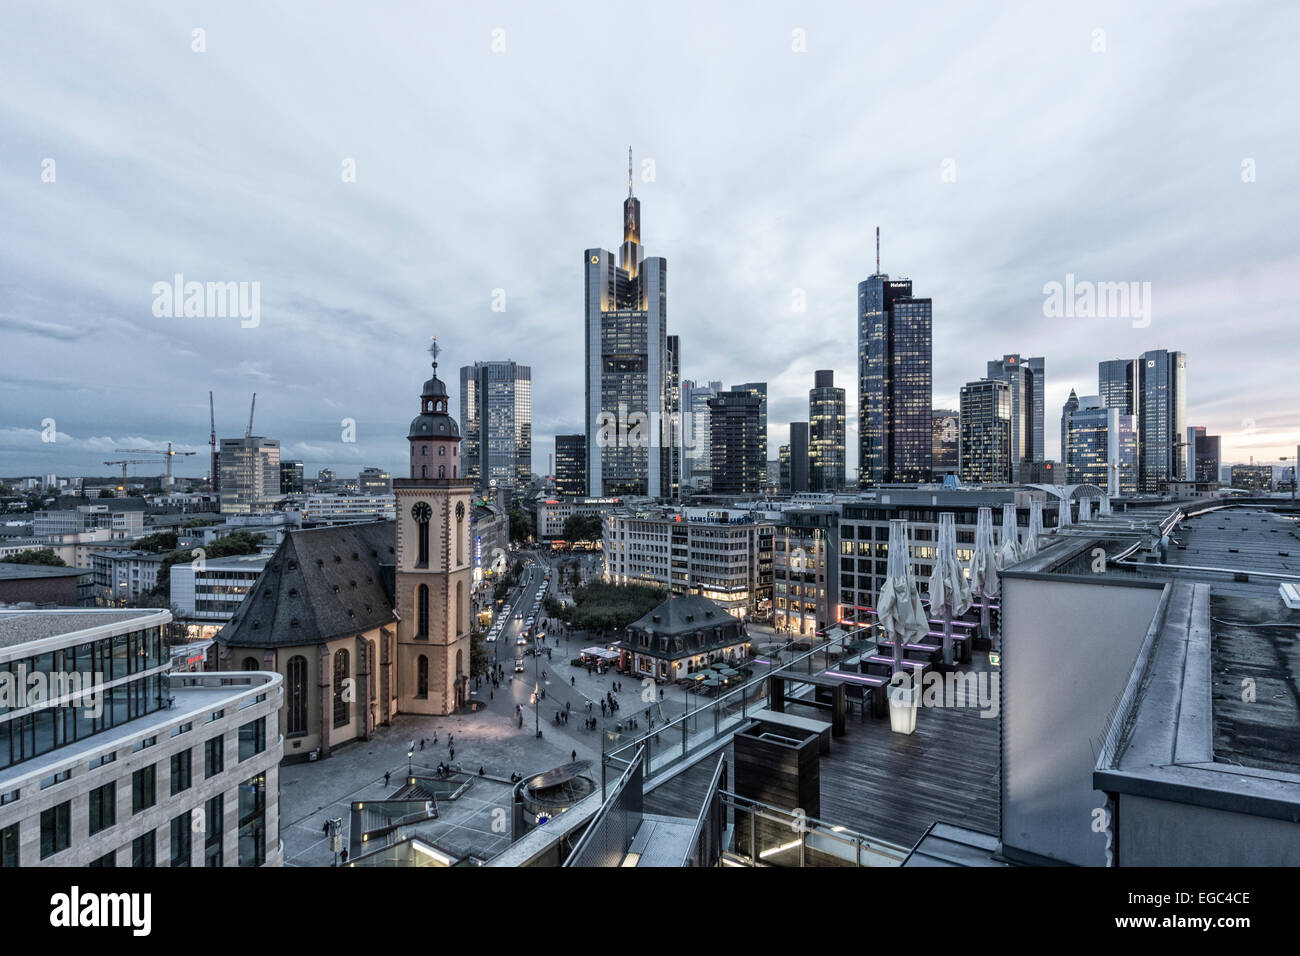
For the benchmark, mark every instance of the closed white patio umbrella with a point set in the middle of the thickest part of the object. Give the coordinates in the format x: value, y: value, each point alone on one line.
x: 1035, y: 529
x: 1065, y: 516
x: 899, y: 609
x: 1085, y: 510
x: 1103, y: 506
x: 949, y: 589
x: 1009, y: 551
x: 983, y: 566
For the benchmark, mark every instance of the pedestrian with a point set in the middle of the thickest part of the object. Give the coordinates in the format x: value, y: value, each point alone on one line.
x: 573, y: 681
x: 492, y: 695
x: 453, y: 753
x: 574, y: 756
x: 451, y: 738
x: 387, y: 774
x: 325, y: 828
x: 344, y: 856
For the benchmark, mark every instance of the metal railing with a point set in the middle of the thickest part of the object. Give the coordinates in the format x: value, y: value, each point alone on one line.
x: 608, y: 836
x: 770, y: 836
x: 706, y: 846
x: 684, y: 737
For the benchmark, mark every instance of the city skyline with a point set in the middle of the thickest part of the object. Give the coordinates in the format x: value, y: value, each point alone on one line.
x: 362, y: 271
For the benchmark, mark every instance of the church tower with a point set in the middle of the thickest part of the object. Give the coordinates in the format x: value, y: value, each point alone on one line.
x: 432, y: 578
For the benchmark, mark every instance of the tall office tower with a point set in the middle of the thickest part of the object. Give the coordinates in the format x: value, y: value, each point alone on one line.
x: 1101, y: 447
x: 1071, y: 404
x: 1027, y: 380
x: 496, y: 412
x: 1162, y: 419
x: 250, y: 474
x: 986, y: 431
x: 374, y: 481
x: 672, y: 457
x: 433, y: 561
x: 759, y: 389
x: 571, y: 466
x: 626, y: 342
x: 738, y: 466
x: 798, y: 457
x: 290, y: 477
x: 1207, y: 462
x: 1118, y: 385
x: 697, y: 465
x: 894, y: 381
x: 945, y: 441
x: 826, y: 447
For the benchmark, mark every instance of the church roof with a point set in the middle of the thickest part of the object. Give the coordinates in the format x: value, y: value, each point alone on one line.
x: 320, y: 584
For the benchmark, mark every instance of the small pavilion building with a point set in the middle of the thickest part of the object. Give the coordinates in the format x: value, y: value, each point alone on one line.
x: 680, y: 636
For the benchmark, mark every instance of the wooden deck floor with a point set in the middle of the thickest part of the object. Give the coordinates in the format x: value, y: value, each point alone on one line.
x: 886, y: 785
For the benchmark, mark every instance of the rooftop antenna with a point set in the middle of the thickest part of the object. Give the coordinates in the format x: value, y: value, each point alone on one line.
x: 251, y: 407
x: 629, y: 172
x: 877, y: 250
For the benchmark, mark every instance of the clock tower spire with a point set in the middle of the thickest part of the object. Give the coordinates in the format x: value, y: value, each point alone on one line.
x: 434, y: 560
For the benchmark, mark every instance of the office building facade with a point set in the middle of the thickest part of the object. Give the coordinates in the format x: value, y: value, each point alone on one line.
x: 627, y: 365
x: 945, y: 441
x: 571, y: 466
x: 496, y: 410
x: 734, y: 424
x: 1101, y: 448
x: 895, y: 382
x: 986, y: 432
x: 1027, y: 379
x: 697, y: 458
x: 250, y: 474
x: 291, y: 477
x: 794, y: 460
x: 1162, y: 419
x: 826, y: 434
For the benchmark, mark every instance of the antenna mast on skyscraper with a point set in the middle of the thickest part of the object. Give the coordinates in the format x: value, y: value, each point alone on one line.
x: 877, y: 250
x: 629, y: 172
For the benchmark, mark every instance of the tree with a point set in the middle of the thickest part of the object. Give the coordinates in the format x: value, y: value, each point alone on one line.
x: 610, y: 607
x: 582, y: 528
x: 521, y: 529
x: 199, y: 522
x: 240, y: 542
x: 479, y: 661
x: 160, y: 541
x: 106, y: 493
x: 45, y: 556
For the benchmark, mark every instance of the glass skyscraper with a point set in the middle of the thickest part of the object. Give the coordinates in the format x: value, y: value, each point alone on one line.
x: 738, y: 467
x: 496, y: 415
x: 759, y: 389
x: 1027, y: 380
x: 628, y: 366
x: 571, y: 466
x: 895, y: 377
x: 1162, y: 419
x: 1101, y: 447
x: 986, y: 432
x: 826, y: 441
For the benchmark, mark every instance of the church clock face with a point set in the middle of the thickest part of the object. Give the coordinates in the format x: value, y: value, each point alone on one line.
x: 421, y: 512
x: 460, y: 510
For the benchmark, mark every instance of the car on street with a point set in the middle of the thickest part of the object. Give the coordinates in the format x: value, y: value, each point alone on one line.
x: 519, y: 665
x: 521, y: 640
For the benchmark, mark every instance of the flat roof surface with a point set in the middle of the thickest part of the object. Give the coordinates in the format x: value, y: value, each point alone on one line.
x: 1255, y: 662
x: 19, y: 627
x: 18, y: 572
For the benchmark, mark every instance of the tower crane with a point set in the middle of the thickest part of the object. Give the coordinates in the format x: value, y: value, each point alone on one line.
x: 166, y: 456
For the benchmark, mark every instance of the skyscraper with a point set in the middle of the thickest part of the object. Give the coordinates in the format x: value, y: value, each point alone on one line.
x: 673, y: 451
x: 826, y: 448
x: 759, y: 389
x: 290, y: 477
x: 1070, y: 405
x: 986, y: 431
x: 571, y: 466
x: 738, y: 467
x: 1206, y: 450
x: 1101, y: 447
x: 1118, y: 382
x: 250, y: 474
x: 1027, y: 380
x: 697, y: 459
x: 627, y: 362
x: 1162, y: 419
x: 945, y: 441
x: 496, y: 412
x: 797, y: 459
x: 894, y: 381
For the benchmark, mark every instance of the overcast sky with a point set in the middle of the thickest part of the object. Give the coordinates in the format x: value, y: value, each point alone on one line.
x: 998, y: 147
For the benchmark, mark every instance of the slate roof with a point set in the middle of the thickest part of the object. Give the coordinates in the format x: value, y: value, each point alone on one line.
x: 686, y: 625
x: 320, y: 584
x: 683, y: 615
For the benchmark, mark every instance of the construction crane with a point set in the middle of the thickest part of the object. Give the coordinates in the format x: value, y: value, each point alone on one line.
x: 121, y: 489
x: 249, y: 432
x: 167, y: 456
x: 213, y: 478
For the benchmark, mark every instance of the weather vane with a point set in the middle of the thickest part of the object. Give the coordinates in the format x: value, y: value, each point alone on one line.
x: 433, y: 349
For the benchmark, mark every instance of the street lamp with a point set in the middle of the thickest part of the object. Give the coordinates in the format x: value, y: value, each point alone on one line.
x: 537, y: 687
x: 410, y: 755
